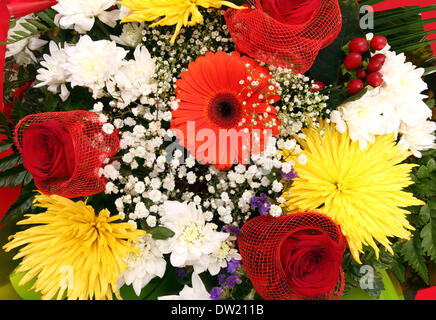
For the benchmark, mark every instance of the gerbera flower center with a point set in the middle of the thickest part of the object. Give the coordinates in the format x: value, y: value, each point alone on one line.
x: 224, y: 109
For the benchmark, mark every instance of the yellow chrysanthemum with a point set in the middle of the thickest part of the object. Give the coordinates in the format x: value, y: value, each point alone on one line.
x: 362, y: 191
x: 73, y: 249
x: 171, y: 12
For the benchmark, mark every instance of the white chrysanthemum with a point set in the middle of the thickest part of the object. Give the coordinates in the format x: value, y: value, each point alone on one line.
x: 131, y: 35
x: 92, y: 63
x: 22, y: 50
x: 193, y: 239
x: 80, y: 14
x: 219, y: 258
x: 418, y: 138
x: 196, y: 292
x: 134, y: 79
x: 402, y: 79
x: 53, y: 73
x: 366, y: 117
x: 144, y: 266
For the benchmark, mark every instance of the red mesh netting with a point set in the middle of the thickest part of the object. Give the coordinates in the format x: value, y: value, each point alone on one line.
x: 294, y: 47
x: 91, y: 148
x: 260, y: 244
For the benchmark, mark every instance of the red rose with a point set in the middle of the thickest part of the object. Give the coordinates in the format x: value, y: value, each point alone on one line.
x: 291, y: 11
x: 311, y: 261
x: 48, y: 151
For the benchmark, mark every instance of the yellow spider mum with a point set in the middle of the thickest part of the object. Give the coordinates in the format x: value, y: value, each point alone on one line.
x: 360, y: 190
x: 171, y: 12
x: 72, y: 249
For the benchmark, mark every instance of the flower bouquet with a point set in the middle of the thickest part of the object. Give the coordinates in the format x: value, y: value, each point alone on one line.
x: 215, y: 149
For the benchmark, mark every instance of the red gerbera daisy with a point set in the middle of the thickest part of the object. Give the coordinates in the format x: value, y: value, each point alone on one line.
x: 225, y: 110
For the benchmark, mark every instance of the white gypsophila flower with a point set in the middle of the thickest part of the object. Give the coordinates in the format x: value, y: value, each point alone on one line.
x: 108, y: 128
x: 81, y: 14
x: 155, y: 195
x: 142, y: 267
x: 53, y: 74
x: 193, y: 239
x: 131, y: 36
x: 134, y: 78
x: 196, y: 292
x: 22, y: 50
x: 151, y: 221
x: 275, y: 210
x: 92, y: 63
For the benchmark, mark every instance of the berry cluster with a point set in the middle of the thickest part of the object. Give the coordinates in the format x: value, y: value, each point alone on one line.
x: 368, y: 69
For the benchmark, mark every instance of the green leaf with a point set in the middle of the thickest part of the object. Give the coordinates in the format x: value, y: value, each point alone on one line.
x: 422, y: 172
x: 22, y: 204
x: 5, y: 147
x: 38, y: 25
x: 10, y: 161
x: 46, y: 18
x: 431, y: 165
x: 428, y: 236
x: 414, y: 256
x: 29, y: 27
x: 12, y: 177
x: 160, y: 233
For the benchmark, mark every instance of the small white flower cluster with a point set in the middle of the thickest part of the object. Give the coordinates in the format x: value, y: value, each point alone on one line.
x: 299, y: 103
x: 397, y: 107
x: 99, y: 66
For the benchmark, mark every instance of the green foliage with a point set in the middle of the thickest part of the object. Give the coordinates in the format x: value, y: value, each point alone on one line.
x: 44, y: 23
x: 417, y: 252
x: 23, y: 204
x: 326, y: 67
x: 404, y: 27
x: 160, y: 233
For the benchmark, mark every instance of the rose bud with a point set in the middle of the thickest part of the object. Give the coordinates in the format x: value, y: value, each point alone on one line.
x: 48, y: 151
x: 311, y: 261
x: 291, y: 12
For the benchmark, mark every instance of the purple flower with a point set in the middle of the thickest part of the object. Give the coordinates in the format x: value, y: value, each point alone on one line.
x: 288, y: 176
x: 233, y: 265
x: 181, y: 273
x: 231, y: 229
x: 215, y: 293
x: 232, y: 280
x: 262, y: 203
x: 221, y: 279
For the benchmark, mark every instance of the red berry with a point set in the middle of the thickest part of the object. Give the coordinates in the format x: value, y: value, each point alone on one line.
x: 379, y: 42
x: 353, y: 61
x: 359, y: 45
x: 362, y: 74
x: 375, y: 79
x: 379, y: 57
x: 317, y: 86
x: 355, y: 86
x: 374, y: 66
